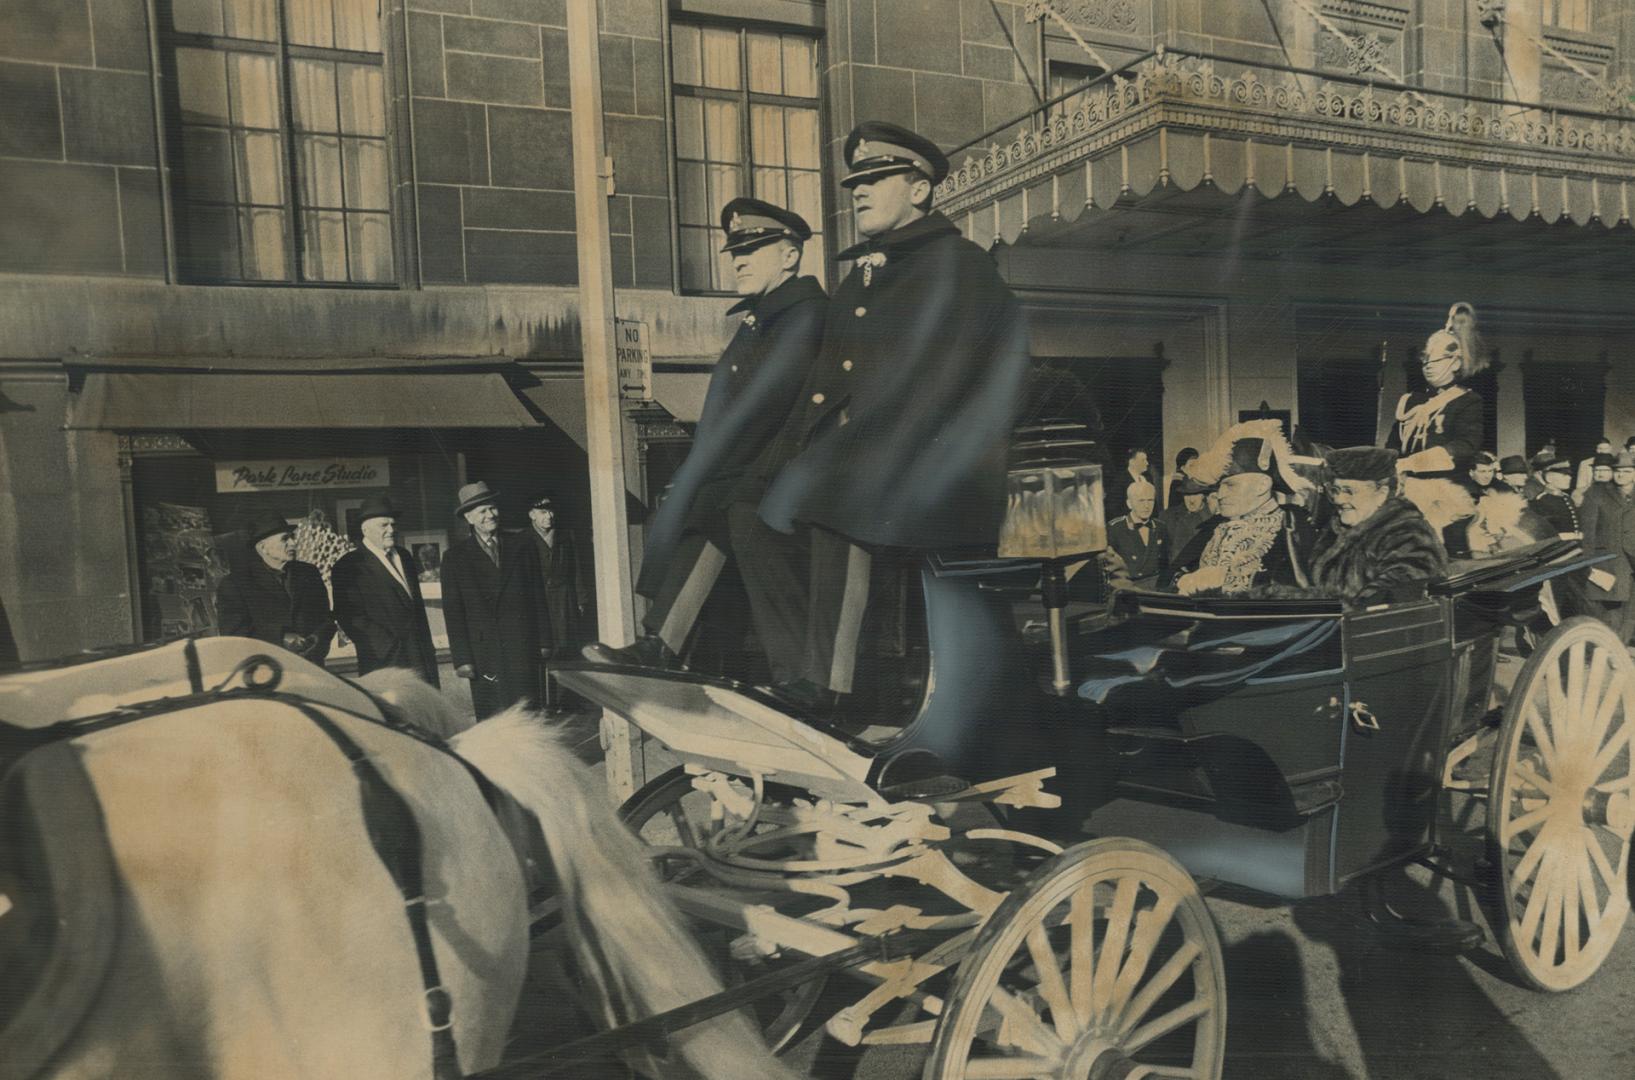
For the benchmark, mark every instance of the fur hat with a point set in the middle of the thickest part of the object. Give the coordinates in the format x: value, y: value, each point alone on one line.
x: 1361, y: 463
x: 1250, y: 446
x: 1458, y: 337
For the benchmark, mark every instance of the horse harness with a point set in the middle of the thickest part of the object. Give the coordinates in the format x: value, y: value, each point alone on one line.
x: 393, y: 831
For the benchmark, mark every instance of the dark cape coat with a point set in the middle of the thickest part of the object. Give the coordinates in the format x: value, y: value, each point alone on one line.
x: 901, y: 432
x: 494, y: 616
x: 388, y: 625
x: 258, y: 602
x: 1454, y: 423
x: 752, y: 390
x: 565, y: 581
x: 1389, y: 556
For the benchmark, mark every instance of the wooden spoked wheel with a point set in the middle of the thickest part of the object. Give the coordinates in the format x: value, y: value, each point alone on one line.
x: 668, y: 812
x: 1104, y: 965
x: 1559, y: 815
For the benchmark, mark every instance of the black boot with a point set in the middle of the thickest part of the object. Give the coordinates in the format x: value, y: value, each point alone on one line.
x: 649, y: 651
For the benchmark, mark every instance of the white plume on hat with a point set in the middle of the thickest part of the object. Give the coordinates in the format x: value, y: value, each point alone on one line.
x: 1219, y: 461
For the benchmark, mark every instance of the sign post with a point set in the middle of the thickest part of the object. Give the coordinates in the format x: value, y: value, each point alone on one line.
x: 635, y: 360
x: 604, y: 431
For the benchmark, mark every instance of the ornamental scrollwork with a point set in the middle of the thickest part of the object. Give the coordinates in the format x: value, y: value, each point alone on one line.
x: 1170, y: 77
x: 1117, y: 15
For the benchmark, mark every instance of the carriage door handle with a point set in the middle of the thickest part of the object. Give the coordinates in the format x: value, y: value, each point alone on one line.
x: 1364, y: 720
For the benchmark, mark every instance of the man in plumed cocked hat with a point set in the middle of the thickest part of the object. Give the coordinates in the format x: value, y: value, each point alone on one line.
x: 275, y: 597
x: 710, y: 511
x: 1379, y: 546
x: 898, y: 440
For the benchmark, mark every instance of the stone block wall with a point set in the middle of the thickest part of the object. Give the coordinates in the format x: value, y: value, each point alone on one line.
x: 79, y: 180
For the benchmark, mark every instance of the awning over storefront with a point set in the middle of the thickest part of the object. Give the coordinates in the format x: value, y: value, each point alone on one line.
x: 146, y: 394
x: 1191, y: 141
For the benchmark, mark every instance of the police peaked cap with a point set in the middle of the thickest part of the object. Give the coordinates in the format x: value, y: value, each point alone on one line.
x: 1361, y: 463
x: 749, y: 223
x: 876, y: 148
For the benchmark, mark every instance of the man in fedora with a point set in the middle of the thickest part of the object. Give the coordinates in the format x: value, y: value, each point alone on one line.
x: 378, y: 602
x: 275, y: 598
x: 897, y: 444
x: 713, y: 498
x: 493, y: 601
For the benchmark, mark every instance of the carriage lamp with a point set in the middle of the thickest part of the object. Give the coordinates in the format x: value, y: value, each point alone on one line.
x: 1053, y: 513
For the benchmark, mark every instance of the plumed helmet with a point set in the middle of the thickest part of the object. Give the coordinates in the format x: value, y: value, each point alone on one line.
x: 1250, y: 446
x: 1458, y: 338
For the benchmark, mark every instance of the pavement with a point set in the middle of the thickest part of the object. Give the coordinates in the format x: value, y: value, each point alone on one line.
x: 1314, y: 996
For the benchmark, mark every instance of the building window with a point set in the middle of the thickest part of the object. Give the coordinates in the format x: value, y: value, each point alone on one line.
x: 1567, y: 14
x: 1064, y: 77
x: 747, y: 123
x: 277, y: 113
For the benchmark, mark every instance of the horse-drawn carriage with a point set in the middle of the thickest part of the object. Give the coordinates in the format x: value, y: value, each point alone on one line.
x: 1036, y: 852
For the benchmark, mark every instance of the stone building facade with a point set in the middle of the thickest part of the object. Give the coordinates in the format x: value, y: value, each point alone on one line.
x: 267, y: 232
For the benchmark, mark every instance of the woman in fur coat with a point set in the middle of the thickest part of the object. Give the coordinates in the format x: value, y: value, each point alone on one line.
x: 1379, y: 547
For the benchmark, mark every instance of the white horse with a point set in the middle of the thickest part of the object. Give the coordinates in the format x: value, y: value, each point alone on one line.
x: 254, y: 932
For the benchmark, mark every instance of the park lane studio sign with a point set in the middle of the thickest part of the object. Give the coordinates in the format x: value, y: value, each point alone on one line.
x: 302, y: 475
x: 635, y: 358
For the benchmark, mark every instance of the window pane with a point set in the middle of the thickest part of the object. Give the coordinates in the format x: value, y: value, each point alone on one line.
x: 363, y: 99
x: 320, y: 170
x: 799, y: 66
x: 260, y: 158
x: 253, y: 19
x: 766, y: 134
x: 721, y: 59
x: 765, y: 64
x: 312, y: 85
x: 769, y: 185
x: 367, y: 184
x: 806, y: 196
x: 196, y: 16
x: 689, y: 128
x: 689, y: 70
x: 695, y: 197
x: 721, y: 131
x: 262, y: 232
x: 369, y: 243
x: 725, y: 280
x: 207, y: 165
x: 724, y: 181
x: 697, y: 258
x: 356, y: 25
x: 310, y: 23
x: 254, y: 82
x: 208, y: 245
x: 201, y: 83
x: 323, y: 246
x: 802, y: 141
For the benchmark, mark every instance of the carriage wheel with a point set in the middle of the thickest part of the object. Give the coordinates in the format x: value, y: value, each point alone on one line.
x: 669, y: 812
x: 1559, y: 805
x: 1105, y: 964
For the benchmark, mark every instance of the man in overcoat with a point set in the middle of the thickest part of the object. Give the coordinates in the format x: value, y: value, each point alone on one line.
x: 1608, y: 520
x: 493, y: 602
x: 899, y: 438
x: 276, y: 598
x: 563, y: 576
x: 378, y: 601
x: 711, y: 507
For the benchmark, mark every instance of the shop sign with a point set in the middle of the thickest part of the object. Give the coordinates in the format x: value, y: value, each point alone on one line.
x: 635, y: 358
x: 301, y: 475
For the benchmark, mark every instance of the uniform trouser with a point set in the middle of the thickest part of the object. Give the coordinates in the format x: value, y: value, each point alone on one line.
x: 774, y: 567
x: 695, y: 567
x: 839, y: 596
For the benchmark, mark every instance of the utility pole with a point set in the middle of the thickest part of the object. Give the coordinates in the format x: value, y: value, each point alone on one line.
x: 604, y: 419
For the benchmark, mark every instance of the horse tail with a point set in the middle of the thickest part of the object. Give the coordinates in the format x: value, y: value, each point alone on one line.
x: 630, y: 937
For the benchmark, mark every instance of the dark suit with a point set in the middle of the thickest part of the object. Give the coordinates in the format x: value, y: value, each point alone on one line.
x: 260, y: 602
x: 496, y: 620
x: 388, y: 625
x: 566, y: 589
x: 1147, y: 562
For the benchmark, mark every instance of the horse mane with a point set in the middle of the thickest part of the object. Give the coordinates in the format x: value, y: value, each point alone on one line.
x: 421, y: 704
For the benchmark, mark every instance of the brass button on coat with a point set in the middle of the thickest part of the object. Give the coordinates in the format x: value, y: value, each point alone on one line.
x: 817, y: 399
x: 860, y: 312
x: 845, y: 365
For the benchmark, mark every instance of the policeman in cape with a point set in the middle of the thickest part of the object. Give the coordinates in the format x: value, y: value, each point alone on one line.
x: 752, y: 391
x: 898, y: 443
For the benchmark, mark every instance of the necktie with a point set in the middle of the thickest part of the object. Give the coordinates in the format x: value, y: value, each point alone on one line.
x: 1144, y: 532
x: 397, y: 569
x: 492, y: 547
